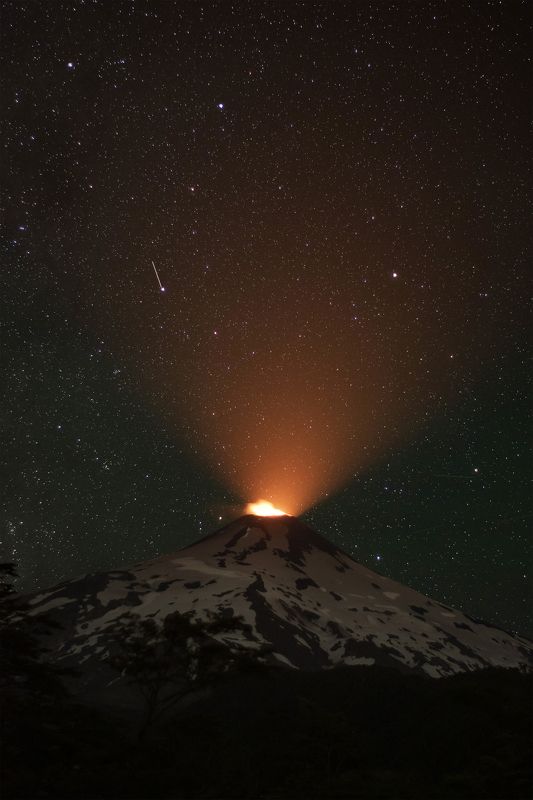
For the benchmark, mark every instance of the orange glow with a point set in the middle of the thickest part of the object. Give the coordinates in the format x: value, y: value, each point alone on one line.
x: 279, y: 409
x: 287, y: 421
x: 264, y: 509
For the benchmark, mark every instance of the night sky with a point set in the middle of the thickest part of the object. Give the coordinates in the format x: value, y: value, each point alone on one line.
x: 334, y: 197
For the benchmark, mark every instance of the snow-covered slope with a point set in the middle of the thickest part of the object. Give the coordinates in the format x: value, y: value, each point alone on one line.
x: 313, y: 603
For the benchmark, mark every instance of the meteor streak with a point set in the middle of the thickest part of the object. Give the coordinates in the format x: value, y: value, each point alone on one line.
x: 162, y: 288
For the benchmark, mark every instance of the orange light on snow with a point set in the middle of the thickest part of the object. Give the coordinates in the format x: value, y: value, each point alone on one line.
x: 264, y: 509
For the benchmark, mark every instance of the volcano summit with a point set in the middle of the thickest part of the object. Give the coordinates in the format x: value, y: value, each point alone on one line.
x: 308, y: 601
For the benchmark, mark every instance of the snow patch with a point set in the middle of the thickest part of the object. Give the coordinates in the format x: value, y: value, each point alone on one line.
x: 195, y: 565
x: 363, y: 662
x: 57, y: 602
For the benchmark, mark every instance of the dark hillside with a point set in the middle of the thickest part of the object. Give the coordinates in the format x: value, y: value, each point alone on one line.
x: 349, y: 733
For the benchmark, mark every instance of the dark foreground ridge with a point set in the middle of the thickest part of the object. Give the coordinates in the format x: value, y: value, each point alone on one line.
x: 352, y: 732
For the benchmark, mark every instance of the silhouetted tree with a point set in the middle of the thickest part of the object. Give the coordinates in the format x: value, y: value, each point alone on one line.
x: 24, y: 670
x: 8, y: 572
x: 168, y: 660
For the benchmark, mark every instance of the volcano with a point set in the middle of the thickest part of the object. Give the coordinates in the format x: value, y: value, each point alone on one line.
x: 312, y: 604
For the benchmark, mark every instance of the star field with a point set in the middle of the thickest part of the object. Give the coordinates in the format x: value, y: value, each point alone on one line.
x: 262, y: 249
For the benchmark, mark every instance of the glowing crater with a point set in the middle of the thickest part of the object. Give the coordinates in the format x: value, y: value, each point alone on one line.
x: 264, y: 509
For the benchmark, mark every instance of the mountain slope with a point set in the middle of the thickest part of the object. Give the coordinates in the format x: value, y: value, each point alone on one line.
x: 314, y: 604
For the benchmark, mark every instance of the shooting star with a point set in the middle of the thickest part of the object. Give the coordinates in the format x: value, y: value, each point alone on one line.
x: 162, y: 288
